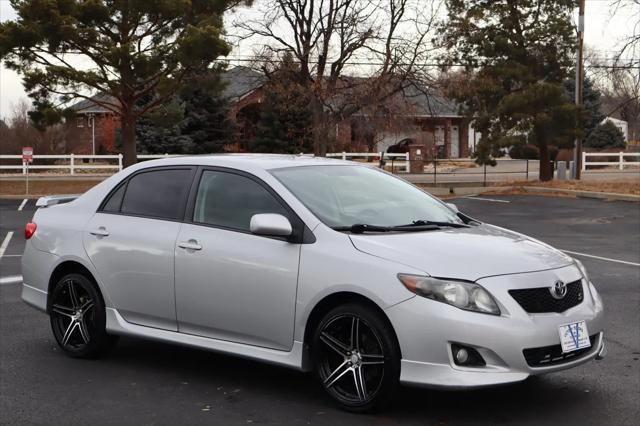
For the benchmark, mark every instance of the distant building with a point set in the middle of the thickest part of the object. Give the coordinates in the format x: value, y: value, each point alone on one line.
x: 415, y: 116
x: 620, y: 124
x: 425, y: 117
x: 93, y: 124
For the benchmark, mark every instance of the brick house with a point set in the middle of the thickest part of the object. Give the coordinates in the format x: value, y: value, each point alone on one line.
x: 92, y: 124
x: 415, y: 116
x: 419, y: 117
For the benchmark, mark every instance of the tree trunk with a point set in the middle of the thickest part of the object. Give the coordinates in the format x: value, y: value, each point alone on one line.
x: 319, y: 129
x: 546, y: 171
x: 129, y: 152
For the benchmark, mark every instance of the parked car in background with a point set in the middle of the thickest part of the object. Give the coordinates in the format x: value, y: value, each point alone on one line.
x: 320, y: 265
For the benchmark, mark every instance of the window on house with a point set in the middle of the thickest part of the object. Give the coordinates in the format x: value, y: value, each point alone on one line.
x: 80, y: 121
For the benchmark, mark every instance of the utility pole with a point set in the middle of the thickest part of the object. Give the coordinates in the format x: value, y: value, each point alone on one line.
x: 92, y: 120
x: 577, y: 151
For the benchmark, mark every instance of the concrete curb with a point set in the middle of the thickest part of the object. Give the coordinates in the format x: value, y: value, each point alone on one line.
x: 20, y: 197
x: 584, y: 194
x: 456, y: 191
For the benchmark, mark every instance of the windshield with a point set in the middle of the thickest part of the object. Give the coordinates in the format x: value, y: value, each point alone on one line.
x: 341, y: 196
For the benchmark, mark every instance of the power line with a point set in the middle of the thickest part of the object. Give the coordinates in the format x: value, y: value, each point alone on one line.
x: 419, y: 64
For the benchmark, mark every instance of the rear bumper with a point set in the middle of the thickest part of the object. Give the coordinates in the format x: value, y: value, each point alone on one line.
x: 36, y: 269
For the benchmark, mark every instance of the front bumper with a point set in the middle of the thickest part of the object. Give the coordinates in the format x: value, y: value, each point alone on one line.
x: 426, y: 329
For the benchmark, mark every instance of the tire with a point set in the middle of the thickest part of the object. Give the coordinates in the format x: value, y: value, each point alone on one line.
x: 77, y: 317
x: 361, y: 373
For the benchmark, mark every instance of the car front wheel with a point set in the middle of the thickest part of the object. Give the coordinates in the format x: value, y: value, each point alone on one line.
x: 356, y: 357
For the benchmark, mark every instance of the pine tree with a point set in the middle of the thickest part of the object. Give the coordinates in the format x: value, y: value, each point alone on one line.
x: 194, y: 122
x: 285, y: 121
x: 518, y: 54
x: 606, y: 135
x: 128, y: 49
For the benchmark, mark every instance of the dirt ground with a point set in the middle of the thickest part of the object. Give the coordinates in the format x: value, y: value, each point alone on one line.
x: 630, y: 186
x: 46, y: 187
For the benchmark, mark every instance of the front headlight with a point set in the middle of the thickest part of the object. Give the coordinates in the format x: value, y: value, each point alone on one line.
x: 461, y: 294
x: 582, y: 269
x: 592, y: 289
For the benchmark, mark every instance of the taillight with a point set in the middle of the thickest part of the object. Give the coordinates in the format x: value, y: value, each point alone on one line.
x: 29, y: 230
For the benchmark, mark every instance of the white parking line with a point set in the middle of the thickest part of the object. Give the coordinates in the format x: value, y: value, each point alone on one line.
x: 24, y: 202
x: 5, y: 243
x: 486, y: 199
x: 11, y: 279
x: 602, y: 258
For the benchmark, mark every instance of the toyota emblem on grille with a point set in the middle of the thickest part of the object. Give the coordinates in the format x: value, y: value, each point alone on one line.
x: 559, y: 290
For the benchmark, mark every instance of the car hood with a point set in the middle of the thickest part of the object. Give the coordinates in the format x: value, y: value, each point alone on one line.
x: 464, y: 253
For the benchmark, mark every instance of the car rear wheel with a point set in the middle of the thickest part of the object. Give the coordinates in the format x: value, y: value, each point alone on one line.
x: 356, y: 357
x: 77, y: 316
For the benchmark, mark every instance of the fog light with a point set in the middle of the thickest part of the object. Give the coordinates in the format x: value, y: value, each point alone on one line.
x: 462, y: 356
x: 466, y: 356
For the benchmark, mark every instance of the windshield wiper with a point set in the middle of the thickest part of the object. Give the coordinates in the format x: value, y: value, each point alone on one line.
x: 360, y: 228
x: 437, y: 223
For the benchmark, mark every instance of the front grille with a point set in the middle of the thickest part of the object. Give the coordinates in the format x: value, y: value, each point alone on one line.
x: 552, y: 355
x: 539, y: 300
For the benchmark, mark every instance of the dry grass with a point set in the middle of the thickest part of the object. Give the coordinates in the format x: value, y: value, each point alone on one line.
x: 630, y: 186
x: 47, y: 187
x: 457, y: 164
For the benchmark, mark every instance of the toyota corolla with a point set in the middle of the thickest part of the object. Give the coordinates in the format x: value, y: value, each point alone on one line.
x: 314, y: 264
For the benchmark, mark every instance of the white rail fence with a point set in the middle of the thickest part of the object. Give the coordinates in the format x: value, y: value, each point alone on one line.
x: 621, y: 163
x: 113, y: 163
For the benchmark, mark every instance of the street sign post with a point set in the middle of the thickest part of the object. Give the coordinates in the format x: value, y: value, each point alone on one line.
x: 27, y: 158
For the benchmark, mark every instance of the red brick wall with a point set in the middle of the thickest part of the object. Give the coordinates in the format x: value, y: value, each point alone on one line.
x: 79, y: 139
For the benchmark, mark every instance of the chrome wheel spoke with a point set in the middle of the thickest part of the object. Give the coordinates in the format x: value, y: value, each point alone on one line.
x: 355, y: 333
x: 72, y: 295
x: 342, y: 369
x: 84, y: 332
x: 67, y: 334
x: 334, y: 343
x: 86, y: 306
x: 62, y: 310
x: 361, y: 387
x: 372, y: 359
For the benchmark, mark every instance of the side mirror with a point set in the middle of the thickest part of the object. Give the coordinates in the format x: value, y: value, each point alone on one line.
x: 453, y: 207
x: 270, y: 224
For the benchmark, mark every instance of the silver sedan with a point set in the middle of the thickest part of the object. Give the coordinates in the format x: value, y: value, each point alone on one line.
x: 314, y: 264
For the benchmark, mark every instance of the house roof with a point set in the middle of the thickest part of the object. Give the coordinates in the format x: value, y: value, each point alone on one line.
x: 88, y: 106
x: 428, y: 102
x: 240, y: 81
x: 614, y: 121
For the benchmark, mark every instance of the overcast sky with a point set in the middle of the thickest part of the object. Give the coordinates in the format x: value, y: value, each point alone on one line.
x: 602, y: 33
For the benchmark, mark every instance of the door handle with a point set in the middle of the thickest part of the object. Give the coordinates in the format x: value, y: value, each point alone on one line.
x: 190, y: 245
x: 100, y: 232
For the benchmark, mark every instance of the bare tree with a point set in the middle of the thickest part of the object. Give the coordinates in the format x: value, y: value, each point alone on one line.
x: 19, y: 131
x: 630, y: 9
x: 352, y: 53
x: 619, y: 83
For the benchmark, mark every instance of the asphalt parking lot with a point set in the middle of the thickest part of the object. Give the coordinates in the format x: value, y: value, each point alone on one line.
x: 144, y: 382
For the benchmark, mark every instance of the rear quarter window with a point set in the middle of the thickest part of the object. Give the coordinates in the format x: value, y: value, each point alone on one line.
x: 156, y: 193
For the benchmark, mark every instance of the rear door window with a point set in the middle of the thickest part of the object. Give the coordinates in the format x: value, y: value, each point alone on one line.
x: 157, y: 193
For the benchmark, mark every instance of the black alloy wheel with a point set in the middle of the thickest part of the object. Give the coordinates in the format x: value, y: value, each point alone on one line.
x: 356, y: 357
x: 77, y: 316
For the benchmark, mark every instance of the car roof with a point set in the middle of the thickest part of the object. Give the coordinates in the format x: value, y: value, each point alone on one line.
x: 247, y: 161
